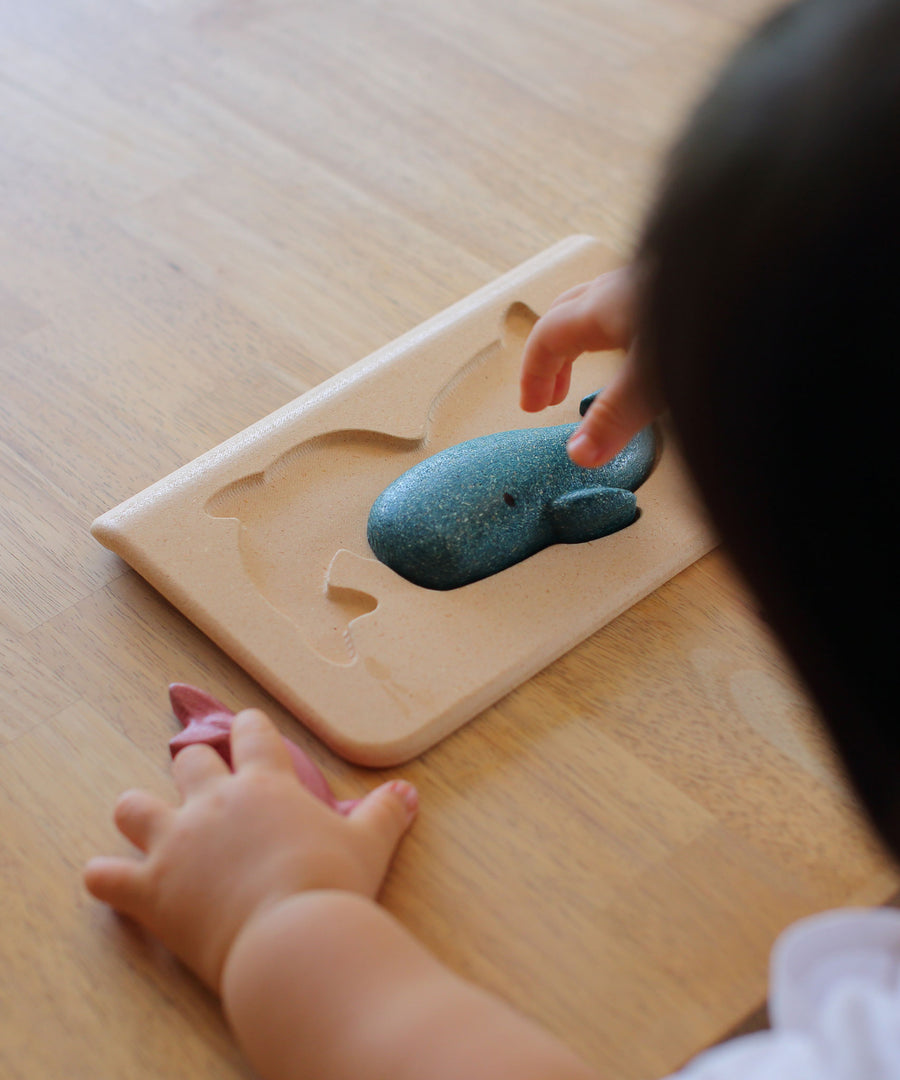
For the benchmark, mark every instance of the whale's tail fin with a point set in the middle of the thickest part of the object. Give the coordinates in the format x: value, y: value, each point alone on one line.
x: 588, y: 400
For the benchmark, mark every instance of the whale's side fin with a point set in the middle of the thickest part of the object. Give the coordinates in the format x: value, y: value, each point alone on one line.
x: 589, y: 513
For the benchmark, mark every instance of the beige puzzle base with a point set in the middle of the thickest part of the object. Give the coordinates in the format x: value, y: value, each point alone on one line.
x: 262, y: 541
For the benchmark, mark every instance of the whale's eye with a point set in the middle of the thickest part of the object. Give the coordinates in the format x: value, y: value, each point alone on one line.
x: 508, y: 499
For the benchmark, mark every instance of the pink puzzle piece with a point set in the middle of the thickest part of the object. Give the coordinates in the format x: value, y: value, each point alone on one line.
x: 206, y: 720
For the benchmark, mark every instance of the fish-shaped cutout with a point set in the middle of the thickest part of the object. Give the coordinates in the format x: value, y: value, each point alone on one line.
x: 208, y: 721
x: 484, y: 505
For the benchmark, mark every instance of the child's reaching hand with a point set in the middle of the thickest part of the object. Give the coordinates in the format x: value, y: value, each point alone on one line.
x: 267, y: 893
x: 594, y: 316
x: 239, y: 843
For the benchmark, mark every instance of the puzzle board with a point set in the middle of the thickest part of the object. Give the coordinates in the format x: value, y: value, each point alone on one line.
x: 261, y: 542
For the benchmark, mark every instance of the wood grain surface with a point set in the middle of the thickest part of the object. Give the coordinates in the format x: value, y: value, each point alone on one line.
x: 209, y: 206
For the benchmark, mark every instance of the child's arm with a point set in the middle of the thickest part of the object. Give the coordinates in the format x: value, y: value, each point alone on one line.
x: 329, y: 986
x: 591, y: 317
x: 268, y: 895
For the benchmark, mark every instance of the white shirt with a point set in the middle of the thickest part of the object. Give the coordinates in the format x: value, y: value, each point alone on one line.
x: 834, y: 1006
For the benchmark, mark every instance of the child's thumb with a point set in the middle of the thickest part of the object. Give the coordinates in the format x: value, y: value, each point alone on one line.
x: 385, y: 814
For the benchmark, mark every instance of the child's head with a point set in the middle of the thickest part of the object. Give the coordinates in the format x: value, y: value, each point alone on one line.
x: 770, y: 319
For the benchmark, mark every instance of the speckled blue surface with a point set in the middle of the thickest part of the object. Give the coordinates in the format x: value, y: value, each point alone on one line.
x: 481, y: 506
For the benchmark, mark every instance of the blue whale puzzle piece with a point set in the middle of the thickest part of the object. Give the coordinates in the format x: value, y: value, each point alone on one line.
x: 486, y: 504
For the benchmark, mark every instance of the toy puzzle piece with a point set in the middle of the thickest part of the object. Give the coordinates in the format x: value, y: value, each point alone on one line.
x: 208, y: 721
x: 486, y: 504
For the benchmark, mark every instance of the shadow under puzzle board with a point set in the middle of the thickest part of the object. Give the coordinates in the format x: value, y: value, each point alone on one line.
x: 262, y: 541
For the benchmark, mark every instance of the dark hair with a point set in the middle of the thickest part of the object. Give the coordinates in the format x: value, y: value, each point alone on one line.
x: 769, y: 319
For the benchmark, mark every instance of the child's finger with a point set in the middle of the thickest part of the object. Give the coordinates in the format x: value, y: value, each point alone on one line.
x: 140, y: 817
x: 549, y: 349
x: 615, y: 417
x: 117, y: 882
x: 256, y: 741
x: 587, y: 318
x: 560, y: 336
x: 195, y: 766
x: 611, y: 280
x: 561, y: 387
x: 572, y: 294
x: 385, y: 814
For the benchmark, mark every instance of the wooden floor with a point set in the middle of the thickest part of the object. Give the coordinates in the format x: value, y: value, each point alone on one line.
x: 209, y: 206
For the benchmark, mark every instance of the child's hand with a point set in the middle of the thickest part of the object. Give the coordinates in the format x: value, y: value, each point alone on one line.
x: 595, y: 316
x: 239, y: 843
